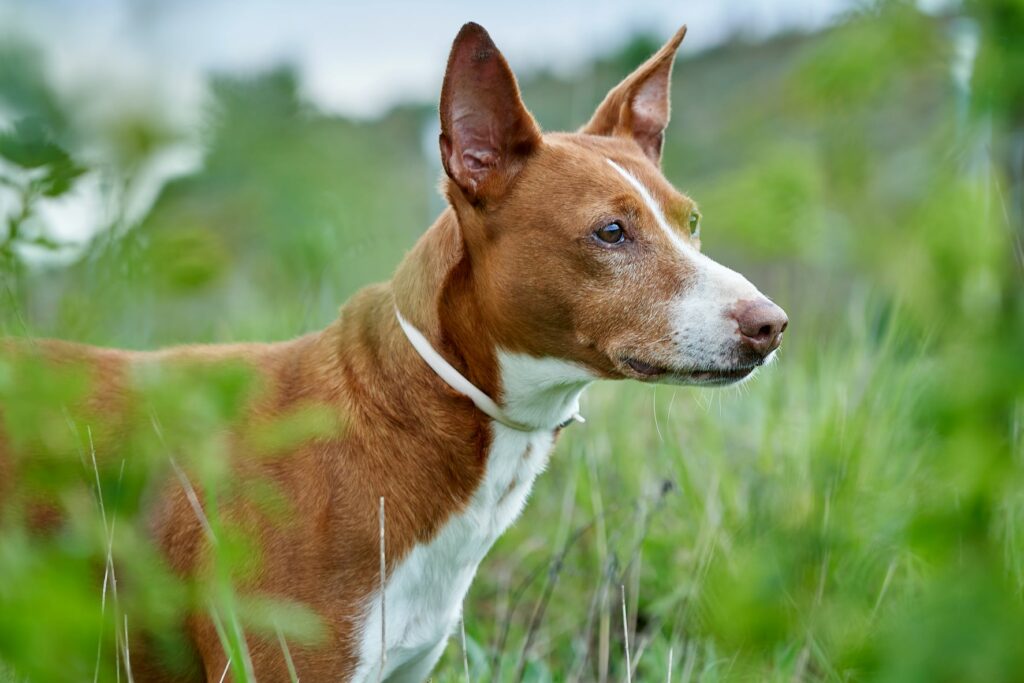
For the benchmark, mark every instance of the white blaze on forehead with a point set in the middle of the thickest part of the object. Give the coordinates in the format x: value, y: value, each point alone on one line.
x: 659, y: 215
x: 723, y: 282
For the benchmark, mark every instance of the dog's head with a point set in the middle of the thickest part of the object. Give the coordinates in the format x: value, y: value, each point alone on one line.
x: 590, y: 254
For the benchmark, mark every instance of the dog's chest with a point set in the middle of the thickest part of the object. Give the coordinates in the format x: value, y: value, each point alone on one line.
x: 424, y: 593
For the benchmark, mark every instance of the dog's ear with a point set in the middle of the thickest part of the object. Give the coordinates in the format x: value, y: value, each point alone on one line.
x: 638, y: 107
x: 486, y: 131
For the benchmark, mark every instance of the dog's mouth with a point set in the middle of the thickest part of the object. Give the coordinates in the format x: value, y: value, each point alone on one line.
x: 645, y: 371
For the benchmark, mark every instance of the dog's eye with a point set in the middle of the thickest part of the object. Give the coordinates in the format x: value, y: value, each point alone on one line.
x: 611, y: 234
x: 695, y: 224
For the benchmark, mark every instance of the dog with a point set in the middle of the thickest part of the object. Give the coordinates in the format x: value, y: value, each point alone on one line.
x: 562, y: 258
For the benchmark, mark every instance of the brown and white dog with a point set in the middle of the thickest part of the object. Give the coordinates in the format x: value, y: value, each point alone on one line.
x: 563, y: 258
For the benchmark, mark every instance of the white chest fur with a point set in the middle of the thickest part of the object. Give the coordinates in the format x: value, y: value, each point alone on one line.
x: 424, y: 593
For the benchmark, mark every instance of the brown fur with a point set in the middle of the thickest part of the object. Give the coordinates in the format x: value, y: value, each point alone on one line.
x: 511, y: 264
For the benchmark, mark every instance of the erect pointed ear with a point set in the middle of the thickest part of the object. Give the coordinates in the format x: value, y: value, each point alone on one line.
x: 638, y: 107
x: 486, y: 132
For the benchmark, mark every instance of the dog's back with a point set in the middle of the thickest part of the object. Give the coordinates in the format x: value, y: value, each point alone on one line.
x: 106, y: 417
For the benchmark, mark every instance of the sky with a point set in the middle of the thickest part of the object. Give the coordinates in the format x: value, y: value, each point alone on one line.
x: 360, y: 58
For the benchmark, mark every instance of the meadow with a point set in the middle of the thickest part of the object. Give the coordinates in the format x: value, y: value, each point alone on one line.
x: 854, y: 513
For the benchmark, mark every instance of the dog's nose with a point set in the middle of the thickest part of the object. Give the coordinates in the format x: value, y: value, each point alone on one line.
x: 761, y: 324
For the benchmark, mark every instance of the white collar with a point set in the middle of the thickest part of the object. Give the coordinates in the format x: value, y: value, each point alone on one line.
x: 459, y: 383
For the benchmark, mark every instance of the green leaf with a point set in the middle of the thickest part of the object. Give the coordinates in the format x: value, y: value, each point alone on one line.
x: 60, y: 177
x: 30, y: 145
x: 46, y: 243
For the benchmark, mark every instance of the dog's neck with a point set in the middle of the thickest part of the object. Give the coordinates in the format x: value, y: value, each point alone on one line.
x: 433, y: 290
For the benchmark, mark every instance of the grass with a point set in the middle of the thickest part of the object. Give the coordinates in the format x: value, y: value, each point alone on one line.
x: 729, y: 510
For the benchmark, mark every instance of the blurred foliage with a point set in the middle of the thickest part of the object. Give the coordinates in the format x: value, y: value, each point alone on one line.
x: 856, y: 513
x: 40, y: 169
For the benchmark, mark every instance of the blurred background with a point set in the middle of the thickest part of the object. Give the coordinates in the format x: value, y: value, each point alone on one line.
x: 188, y: 171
